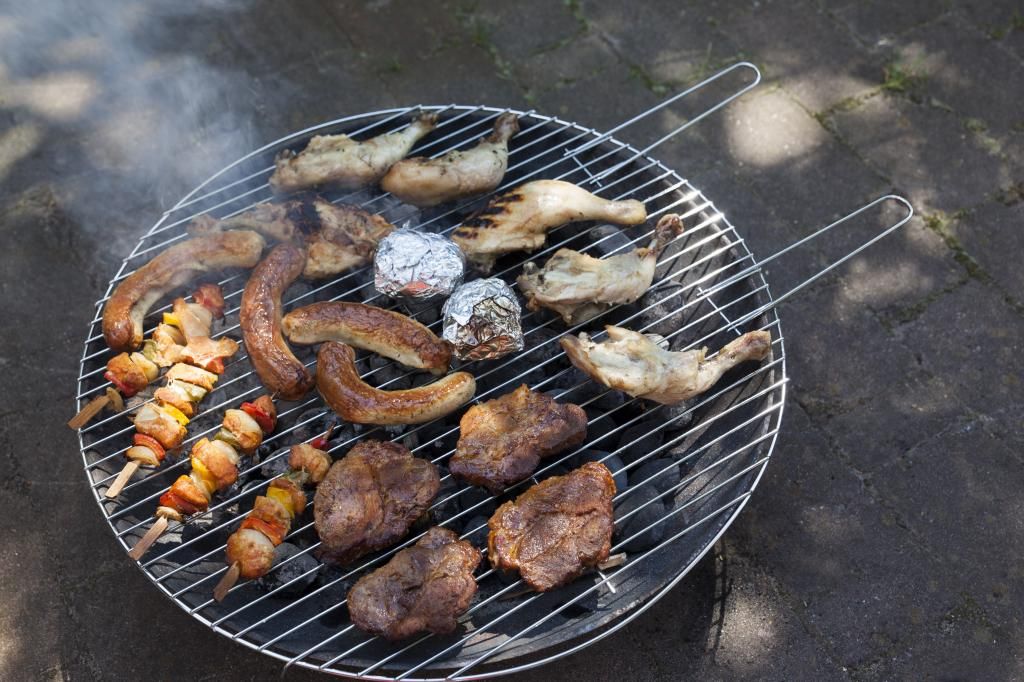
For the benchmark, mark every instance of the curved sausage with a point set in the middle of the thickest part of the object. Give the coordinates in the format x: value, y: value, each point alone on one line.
x: 128, y: 305
x: 356, y: 401
x: 380, y: 331
x: 260, y: 318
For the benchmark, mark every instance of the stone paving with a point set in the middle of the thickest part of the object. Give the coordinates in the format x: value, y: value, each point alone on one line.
x: 885, y: 539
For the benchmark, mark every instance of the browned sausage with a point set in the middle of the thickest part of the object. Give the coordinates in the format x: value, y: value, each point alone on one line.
x: 260, y: 318
x: 128, y: 305
x: 356, y: 401
x: 384, y: 332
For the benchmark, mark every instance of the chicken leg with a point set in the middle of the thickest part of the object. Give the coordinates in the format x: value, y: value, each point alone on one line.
x: 519, y: 219
x: 424, y: 182
x: 631, y: 362
x: 579, y: 287
x: 340, y: 161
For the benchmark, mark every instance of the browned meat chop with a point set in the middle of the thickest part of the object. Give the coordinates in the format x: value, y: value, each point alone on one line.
x: 370, y: 498
x: 556, y: 529
x: 423, y: 588
x: 503, y: 440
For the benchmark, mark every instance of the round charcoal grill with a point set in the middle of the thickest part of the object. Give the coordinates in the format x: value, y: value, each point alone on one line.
x: 683, y: 473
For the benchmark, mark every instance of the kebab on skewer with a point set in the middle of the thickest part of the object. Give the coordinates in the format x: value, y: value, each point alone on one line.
x: 182, y: 342
x: 131, y: 372
x: 250, y: 549
x: 214, y: 466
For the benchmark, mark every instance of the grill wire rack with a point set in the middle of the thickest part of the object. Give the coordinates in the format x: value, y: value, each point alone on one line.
x: 683, y: 473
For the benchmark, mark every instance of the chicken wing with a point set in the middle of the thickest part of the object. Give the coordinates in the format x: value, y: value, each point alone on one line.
x: 503, y: 440
x: 336, y: 236
x: 518, y: 220
x: 578, y: 287
x: 631, y: 362
x: 340, y: 161
x: 423, y: 182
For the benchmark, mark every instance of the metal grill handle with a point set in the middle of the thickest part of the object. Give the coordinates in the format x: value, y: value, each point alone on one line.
x: 754, y: 314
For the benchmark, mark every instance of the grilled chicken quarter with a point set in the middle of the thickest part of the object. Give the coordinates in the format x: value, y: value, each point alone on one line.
x: 380, y: 331
x: 260, y: 319
x: 425, y: 182
x: 340, y: 161
x: 356, y: 401
x: 579, y: 287
x: 518, y: 220
x: 633, y: 363
x: 133, y: 297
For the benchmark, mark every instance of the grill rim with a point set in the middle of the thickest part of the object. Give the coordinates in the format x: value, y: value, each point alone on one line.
x: 636, y: 609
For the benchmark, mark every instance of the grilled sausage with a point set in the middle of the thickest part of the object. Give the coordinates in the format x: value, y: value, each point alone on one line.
x: 128, y: 305
x: 380, y: 331
x: 260, y: 318
x: 356, y: 401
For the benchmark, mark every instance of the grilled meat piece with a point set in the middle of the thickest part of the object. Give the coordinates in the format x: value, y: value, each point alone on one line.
x: 260, y: 319
x: 556, y: 529
x: 631, y: 362
x: 424, y: 588
x: 133, y: 297
x: 518, y: 220
x: 336, y: 236
x: 356, y: 401
x: 578, y: 287
x: 384, y: 332
x: 340, y: 161
x: 423, y: 182
x: 370, y: 498
x: 503, y: 440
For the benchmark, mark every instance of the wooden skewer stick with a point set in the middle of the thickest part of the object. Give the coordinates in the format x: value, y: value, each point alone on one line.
x: 612, y: 561
x: 227, y: 582
x: 91, y: 409
x: 149, y: 538
x: 129, y: 470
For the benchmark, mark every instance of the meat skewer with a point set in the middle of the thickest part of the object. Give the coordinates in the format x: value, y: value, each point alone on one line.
x: 214, y: 466
x: 130, y: 372
x: 183, y: 343
x: 250, y: 549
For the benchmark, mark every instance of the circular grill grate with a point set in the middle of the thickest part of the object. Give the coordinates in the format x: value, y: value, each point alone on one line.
x: 709, y: 454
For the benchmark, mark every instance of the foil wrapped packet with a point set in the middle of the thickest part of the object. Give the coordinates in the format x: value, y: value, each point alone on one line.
x: 417, y: 266
x: 482, y: 320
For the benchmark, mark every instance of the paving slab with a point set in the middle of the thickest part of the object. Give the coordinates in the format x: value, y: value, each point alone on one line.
x: 842, y: 68
x: 988, y: 233
x: 925, y: 151
x: 979, y: 348
x: 880, y: 24
x: 948, y: 55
